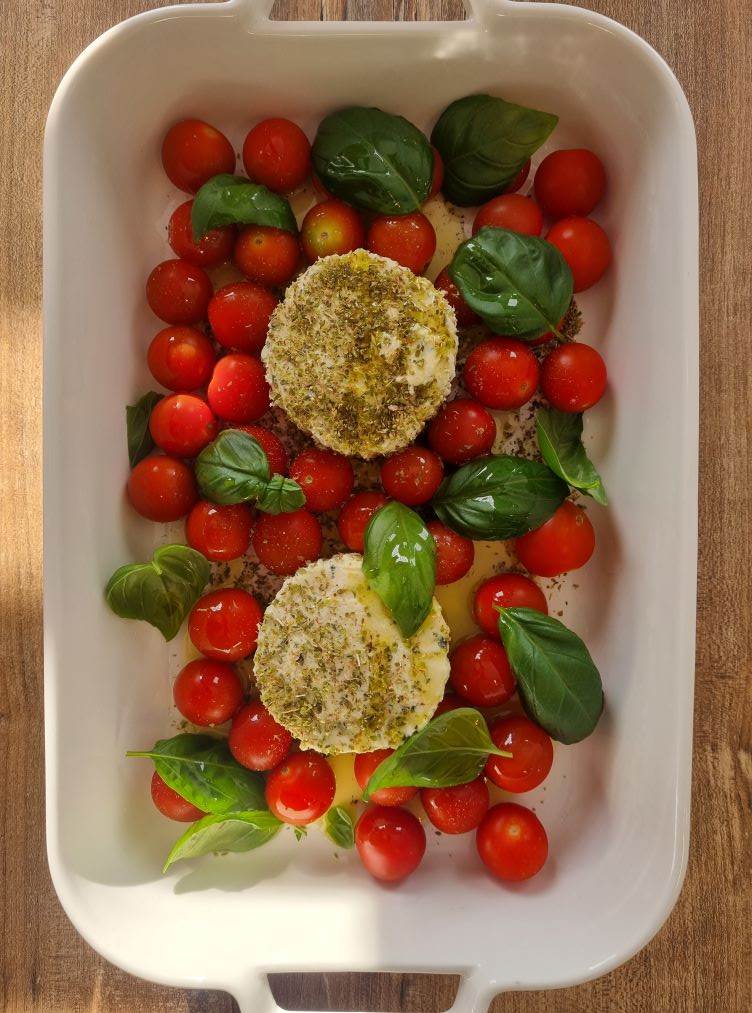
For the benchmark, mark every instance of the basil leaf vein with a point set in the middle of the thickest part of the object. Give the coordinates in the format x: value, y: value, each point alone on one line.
x: 241, y: 831
x: 137, y: 416
x: 234, y: 200
x: 560, y: 442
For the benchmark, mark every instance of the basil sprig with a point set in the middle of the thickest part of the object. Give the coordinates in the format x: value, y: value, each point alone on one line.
x: 560, y: 442
x: 235, y: 469
x: 557, y: 681
x: 373, y: 160
x: 338, y: 827
x: 399, y: 563
x: 140, y: 442
x: 161, y: 592
x: 499, y: 497
x: 484, y: 142
x: 519, y: 285
x: 241, y: 831
x: 234, y: 200
x: 451, y: 749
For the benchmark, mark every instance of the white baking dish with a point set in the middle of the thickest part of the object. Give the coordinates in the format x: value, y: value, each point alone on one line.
x: 617, y: 806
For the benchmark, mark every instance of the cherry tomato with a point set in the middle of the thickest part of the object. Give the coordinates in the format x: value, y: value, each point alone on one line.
x: 408, y: 239
x: 365, y: 764
x: 449, y: 703
x: 224, y: 624
x: 221, y: 533
x: 331, y: 227
x: 511, y: 211
x: 412, y: 476
x: 178, y: 292
x: 519, y: 180
x: 193, y: 152
x: 213, y: 248
x: 532, y: 754
x: 501, y: 373
x: 565, y: 542
x: 480, y: 672
x: 285, y: 542
x: 272, y: 446
x: 391, y: 842
x: 238, y: 391
x: 461, y: 431
x: 354, y: 517
x: 456, y: 810
x: 267, y: 255
x: 256, y: 740
x: 569, y: 182
x: 301, y: 789
x: 239, y: 316
x: 182, y: 424
x: 172, y: 805
x: 465, y: 316
x: 512, y: 842
x: 507, y: 590
x: 573, y: 377
x: 455, y: 554
x: 437, y: 176
x: 207, y: 692
x: 326, y: 478
x: 585, y: 247
x: 162, y: 488
x: 276, y: 153
x: 181, y: 358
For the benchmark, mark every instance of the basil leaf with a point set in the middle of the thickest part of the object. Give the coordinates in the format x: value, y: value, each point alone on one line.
x: 161, y: 592
x: 231, y: 200
x: 399, y: 563
x: 280, y: 495
x: 560, y: 442
x: 450, y: 749
x: 140, y: 442
x: 373, y: 160
x: 338, y: 827
x: 484, y: 142
x: 234, y: 832
x: 559, y: 686
x: 494, y: 498
x: 519, y: 285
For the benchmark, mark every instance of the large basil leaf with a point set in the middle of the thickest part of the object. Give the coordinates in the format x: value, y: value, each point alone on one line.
x: 558, y: 683
x: 494, y: 498
x: 399, y: 562
x: 338, y: 827
x: 519, y: 285
x: 235, y: 469
x: 216, y: 834
x: 560, y: 442
x: 140, y: 442
x: 373, y: 160
x: 484, y: 142
x: 161, y: 592
x: 203, y: 771
x: 451, y: 749
x: 231, y: 200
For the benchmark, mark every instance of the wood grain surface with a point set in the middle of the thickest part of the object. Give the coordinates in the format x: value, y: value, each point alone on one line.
x: 702, y: 959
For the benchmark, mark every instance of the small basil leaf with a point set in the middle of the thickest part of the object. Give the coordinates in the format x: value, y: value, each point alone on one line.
x: 232, y: 469
x: 140, y: 443
x: 234, y: 832
x: 560, y: 442
x: 338, y: 827
x: 450, y: 749
x: 484, y: 142
x: 494, y: 498
x: 373, y: 160
x: 399, y: 563
x: 231, y: 200
x: 559, y: 686
x: 280, y: 495
x: 161, y: 592
x: 300, y: 833
x: 519, y: 285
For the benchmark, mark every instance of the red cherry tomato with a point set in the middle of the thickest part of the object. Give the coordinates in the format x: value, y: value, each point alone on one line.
x: 238, y: 391
x: 512, y: 842
x: 461, y: 431
x: 501, y: 373
x: 266, y: 255
x: 390, y: 842
x: 354, y: 517
x: 326, y: 478
x: 172, y: 805
x: 456, y: 810
x: 207, y: 692
x: 437, y: 176
x: 455, y: 554
x: 449, y: 703
x: 162, y: 488
x: 272, y: 446
x: 193, y: 152
x: 221, y: 533
x: 256, y: 740
x: 511, y: 211
x: 182, y: 424
x: 507, y: 590
x: 181, y: 358
x: 224, y: 624
x: 331, y: 227
x: 573, y: 377
x: 213, y: 248
x: 565, y: 542
x: 365, y: 764
x: 239, y: 316
x: 480, y: 672
x: 408, y: 239
x: 569, y: 182
x: 412, y: 476
x: 532, y: 754
x: 276, y: 153
x: 301, y: 789
x: 585, y: 247
x: 285, y: 542
x: 519, y: 180
x: 465, y: 316
x: 178, y: 292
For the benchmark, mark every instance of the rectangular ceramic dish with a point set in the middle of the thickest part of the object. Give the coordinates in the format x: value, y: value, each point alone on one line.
x: 617, y: 807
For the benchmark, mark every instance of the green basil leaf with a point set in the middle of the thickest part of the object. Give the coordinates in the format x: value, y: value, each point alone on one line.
x: 519, y: 285
x: 373, y: 160
x: 234, y: 200
x: 338, y: 827
x: 494, y: 498
x: 216, y: 834
x: 484, y: 142
x: 232, y: 469
x: 161, y: 592
x: 560, y: 442
x: 559, y: 686
x: 450, y: 749
x: 140, y: 443
x: 399, y: 562
x: 280, y: 495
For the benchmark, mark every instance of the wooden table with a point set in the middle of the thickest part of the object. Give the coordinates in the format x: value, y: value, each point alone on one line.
x: 701, y: 961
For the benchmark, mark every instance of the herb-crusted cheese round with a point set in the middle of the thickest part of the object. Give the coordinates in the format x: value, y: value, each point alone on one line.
x: 333, y: 667
x: 361, y: 353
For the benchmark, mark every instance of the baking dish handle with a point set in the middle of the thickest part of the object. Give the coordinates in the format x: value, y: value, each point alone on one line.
x: 258, y: 11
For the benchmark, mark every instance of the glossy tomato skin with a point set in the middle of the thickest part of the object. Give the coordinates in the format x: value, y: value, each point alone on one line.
x: 565, y: 542
x: 172, y: 805
x: 331, y: 227
x: 462, y: 431
x: 465, y: 316
x: 272, y: 446
x: 223, y: 624
x: 239, y: 316
x: 207, y: 692
x: 162, y: 488
x: 213, y: 248
x: 365, y: 765
x: 285, y: 542
x: 193, y: 152
x: 390, y: 841
x: 182, y: 425
x: 455, y: 554
x: 301, y: 789
x: 480, y: 672
x: 238, y: 391
x: 181, y: 358
x: 512, y: 842
x: 507, y: 590
x: 266, y: 255
x: 520, y: 179
x: 221, y: 533
x: 277, y: 154
x: 178, y: 292
x: 510, y: 211
x: 326, y: 478
x: 456, y: 810
x: 532, y: 754
x: 585, y: 247
x: 573, y: 377
x: 256, y: 740
x: 408, y: 239
x: 355, y: 515
x: 437, y: 175
x: 412, y: 476
x: 501, y: 373
x: 570, y: 181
